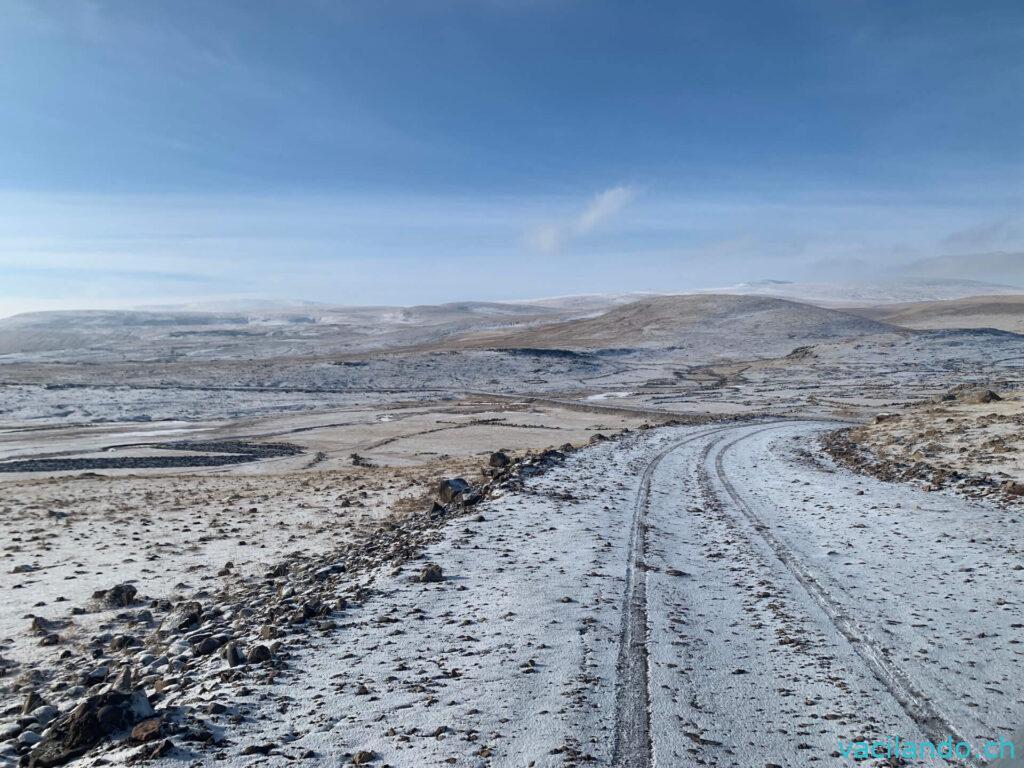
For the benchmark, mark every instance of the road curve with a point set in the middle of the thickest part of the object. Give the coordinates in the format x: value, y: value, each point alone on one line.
x: 791, y: 607
x: 935, y: 724
x: 720, y: 595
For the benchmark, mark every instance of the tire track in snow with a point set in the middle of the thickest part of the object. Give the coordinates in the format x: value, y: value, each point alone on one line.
x: 917, y: 705
x: 633, y: 746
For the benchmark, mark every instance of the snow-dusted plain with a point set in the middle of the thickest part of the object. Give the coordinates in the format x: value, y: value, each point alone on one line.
x: 787, y: 605
x: 716, y: 594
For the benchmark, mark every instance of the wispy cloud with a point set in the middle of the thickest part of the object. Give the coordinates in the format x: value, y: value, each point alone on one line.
x: 552, y: 237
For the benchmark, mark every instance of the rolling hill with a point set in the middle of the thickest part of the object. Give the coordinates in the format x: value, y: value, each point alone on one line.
x: 1005, y: 313
x: 756, y: 325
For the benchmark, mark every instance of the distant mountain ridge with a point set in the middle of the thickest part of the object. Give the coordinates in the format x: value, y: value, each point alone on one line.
x: 896, y: 290
x: 995, y: 267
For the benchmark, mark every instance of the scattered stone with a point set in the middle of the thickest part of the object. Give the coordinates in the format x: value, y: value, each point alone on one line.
x: 29, y: 738
x: 208, y: 645
x: 119, y: 596
x: 183, y: 616
x: 92, y: 721
x: 259, y: 749
x: 96, y: 675
x: 1013, y: 488
x: 146, y: 731
x: 452, y: 489
x: 431, y: 573
x: 32, y: 702
x: 161, y: 749
x: 124, y: 681
x: 233, y: 654
x: 257, y: 654
x: 499, y: 460
x: 44, y: 714
x: 979, y: 396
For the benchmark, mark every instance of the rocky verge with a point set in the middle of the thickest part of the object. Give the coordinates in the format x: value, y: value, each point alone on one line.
x: 969, y: 440
x: 165, y: 674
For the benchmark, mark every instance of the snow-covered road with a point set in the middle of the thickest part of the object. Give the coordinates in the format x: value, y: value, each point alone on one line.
x: 717, y: 595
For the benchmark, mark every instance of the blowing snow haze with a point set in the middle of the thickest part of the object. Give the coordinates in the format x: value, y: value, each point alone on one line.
x: 502, y: 383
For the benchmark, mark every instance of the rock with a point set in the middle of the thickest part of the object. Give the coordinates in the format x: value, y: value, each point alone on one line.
x: 29, y: 738
x: 124, y: 681
x: 96, y: 675
x: 597, y: 437
x: 119, y: 596
x: 41, y: 626
x: 32, y: 702
x: 207, y: 646
x: 431, y: 573
x: 148, y: 730
x: 260, y: 749
x: 258, y: 654
x: 499, y: 459
x: 327, y: 571
x: 1013, y: 488
x: 363, y: 757
x: 279, y: 570
x: 452, y: 489
x: 183, y: 616
x: 92, y: 721
x: 44, y: 714
x: 120, y: 642
x: 233, y: 654
x: 979, y: 396
x: 161, y: 749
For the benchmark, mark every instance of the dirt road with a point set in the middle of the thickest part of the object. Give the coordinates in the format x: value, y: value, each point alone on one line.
x: 718, y: 595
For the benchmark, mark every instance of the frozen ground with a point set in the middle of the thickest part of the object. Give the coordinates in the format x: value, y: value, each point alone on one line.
x: 716, y: 595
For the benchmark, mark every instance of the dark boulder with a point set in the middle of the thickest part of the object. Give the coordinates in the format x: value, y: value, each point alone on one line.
x: 452, y: 489
x: 91, y: 722
x: 431, y: 573
x: 119, y: 596
x: 257, y: 654
x: 183, y: 616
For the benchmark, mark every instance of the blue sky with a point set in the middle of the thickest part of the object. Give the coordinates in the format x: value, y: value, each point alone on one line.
x: 407, y: 152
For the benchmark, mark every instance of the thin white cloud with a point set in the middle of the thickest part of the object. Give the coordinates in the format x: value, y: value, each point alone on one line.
x: 551, y: 238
